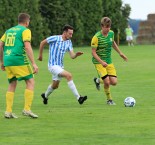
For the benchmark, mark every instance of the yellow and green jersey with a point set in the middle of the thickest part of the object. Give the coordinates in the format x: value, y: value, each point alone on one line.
x: 14, y: 52
x: 103, y: 45
x: 128, y: 31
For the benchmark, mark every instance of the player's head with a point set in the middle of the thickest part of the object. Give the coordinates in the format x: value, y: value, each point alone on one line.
x: 105, y: 24
x: 67, y: 31
x: 24, y: 18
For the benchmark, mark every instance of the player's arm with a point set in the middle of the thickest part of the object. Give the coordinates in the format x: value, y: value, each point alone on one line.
x: 26, y: 36
x: 74, y: 55
x: 104, y: 64
x: 94, y: 44
x: 42, y: 45
x: 115, y: 46
x: 1, y: 55
x: 2, y: 41
x: 30, y: 55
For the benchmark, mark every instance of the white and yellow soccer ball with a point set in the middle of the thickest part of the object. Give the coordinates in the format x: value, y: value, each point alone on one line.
x: 129, y: 102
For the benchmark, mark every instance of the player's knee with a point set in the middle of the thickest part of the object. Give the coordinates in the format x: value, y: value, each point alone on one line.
x: 107, y: 84
x: 114, y: 83
x: 30, y: 84
x: 55, y: 87
x: 69, y: 76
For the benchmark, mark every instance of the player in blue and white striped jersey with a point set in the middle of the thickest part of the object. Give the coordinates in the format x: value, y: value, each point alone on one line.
x: 58, y: 46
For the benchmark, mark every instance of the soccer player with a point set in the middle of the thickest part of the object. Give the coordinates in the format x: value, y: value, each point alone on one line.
x: 102, y: 44
x: 58, y: 46
x: 15, y: 46
x: 129, y: 35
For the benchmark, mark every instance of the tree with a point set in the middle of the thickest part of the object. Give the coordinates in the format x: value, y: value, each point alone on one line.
x: 91, y: 16
x: 49, y: 16
x: 11, y: 10
x: 119, y: 15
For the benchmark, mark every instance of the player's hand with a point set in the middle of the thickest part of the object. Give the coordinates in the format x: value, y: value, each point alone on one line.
x: 123, y: 56
x: 2, y: 67
x: 35, y: 68
x: 40, y: 58
x: 104, y: 64
x: 79, y: 53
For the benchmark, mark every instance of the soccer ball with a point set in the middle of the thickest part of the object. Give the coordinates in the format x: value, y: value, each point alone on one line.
x: 129, y: 102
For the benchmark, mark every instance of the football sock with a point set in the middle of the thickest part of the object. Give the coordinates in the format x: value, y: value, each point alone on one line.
x: 9, y: 101
x: 100, y: 80
x: 72, y: 86
x: 28, y: 95
x: 48, y: 91
x: 108, y: 94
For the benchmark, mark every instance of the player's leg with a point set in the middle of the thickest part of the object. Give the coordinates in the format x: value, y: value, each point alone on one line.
x: 72, y: 86
x: 97, y: 83
x: 107, y: 91
x: 25, y: 73
x: 106, y: 81
x: 10, y: 93
x: 29, y: 95
x: 112, y: 81
x: 128, y: 40
x: 55, y: 70
x: 50, y: 89
x: 98, y: 80
x: 132, y: 41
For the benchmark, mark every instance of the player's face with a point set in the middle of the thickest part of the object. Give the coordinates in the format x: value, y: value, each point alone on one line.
x: 69, y: 34
x: 105, y: 30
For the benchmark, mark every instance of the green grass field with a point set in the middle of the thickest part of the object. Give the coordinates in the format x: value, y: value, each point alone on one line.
x: 64, y: 122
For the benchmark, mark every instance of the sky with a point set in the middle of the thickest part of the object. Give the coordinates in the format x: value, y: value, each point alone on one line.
x: 140, y: 8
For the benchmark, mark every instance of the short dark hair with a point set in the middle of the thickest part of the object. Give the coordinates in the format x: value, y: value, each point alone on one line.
x: 66, y: 27
x: 105, y: 21
x: 23, y: 17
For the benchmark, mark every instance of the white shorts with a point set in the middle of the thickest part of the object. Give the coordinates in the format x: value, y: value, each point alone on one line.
x: 129, y: 38
x: 55, y: 70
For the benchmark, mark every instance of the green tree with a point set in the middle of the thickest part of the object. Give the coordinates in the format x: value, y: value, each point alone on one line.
x: 84, y: 16
x: 119, y: 15
x: 57, y: 13
x: 126, y: 9
x: 48, y: 17
x: 10, y: 10
x: 90, y: 17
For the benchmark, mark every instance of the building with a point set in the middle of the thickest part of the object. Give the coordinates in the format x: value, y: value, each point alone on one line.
x: 146, y: 31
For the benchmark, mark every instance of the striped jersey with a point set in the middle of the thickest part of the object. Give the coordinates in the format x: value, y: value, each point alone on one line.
x: 57, y: 49
x: 103, y: 45
x: 14, y: 50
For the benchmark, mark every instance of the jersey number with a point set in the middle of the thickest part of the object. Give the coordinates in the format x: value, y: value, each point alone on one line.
x: 10, y: 39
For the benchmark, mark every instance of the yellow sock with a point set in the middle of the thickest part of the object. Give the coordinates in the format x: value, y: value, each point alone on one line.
x: 101, y: 81
x: 108, y: 94
x: 9, y: 101
x: 28, y: 99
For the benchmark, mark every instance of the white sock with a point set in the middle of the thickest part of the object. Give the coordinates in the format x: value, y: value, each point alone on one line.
x: 72, y: 86
x: 48, y: 91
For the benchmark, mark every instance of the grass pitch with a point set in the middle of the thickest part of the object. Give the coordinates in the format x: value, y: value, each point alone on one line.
x: 64, y: 122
